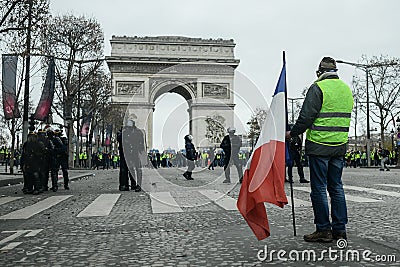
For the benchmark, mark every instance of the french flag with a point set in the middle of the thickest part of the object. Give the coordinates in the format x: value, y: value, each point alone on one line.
x: 264, y: 176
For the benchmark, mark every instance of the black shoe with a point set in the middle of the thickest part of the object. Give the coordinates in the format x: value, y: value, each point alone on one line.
x: 241, y: 180
x: 54, y: 188
x: 339, y: 235
x: 304, y: 181
x: 288, y: 181
x: 226, y: 181
x: 138, y: 189
x: 319, y: 236
x: 123, y: 188
x: 66, y: 187
x: 36, y: 192
x: 387, y: 169
x: 187, y: 176
x: 133, y: 187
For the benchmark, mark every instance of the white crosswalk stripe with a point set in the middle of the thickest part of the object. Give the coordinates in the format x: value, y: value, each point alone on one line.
x: 36, y: 208
x: 349, y: 197
x: 390, y: 185
x: 373, y: 191
x: 221, y: 199
x: 101, y: 206
x: 163, y: 202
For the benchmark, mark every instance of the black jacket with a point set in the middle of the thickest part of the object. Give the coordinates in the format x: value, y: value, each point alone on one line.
x: 190, y: 151
x: 309, y: 112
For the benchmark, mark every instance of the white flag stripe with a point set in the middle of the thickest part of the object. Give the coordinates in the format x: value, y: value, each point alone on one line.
x: 36, y: 208
x: 298, y: 202
x: 373, y: 191
x: 390, y: 185
x: 351, y: 198
x: 163, y: 202
x: 221, y: 199
x: 101, y: 206
x: 10, y: 246
x: 4, y: 200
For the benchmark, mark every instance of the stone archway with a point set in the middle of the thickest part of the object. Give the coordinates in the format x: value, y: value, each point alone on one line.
x: 200, y: 70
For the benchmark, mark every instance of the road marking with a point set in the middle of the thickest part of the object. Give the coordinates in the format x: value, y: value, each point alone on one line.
x: 221, y: 199
x: 373, y: 191
x: 36, y: 208
x: 348, y: 197
x: 163, y: 202
x: 16, y: 234
x: 101, y: 206
x: 4, y: 200
x: 298, y: 202
x: 390, y: 185
x: 10, y: 246
x: 33, y: 232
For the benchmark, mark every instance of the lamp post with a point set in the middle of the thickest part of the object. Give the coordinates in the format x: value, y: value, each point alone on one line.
x: 392, y: 136
x: 292, y: 101
x: 366, y: 68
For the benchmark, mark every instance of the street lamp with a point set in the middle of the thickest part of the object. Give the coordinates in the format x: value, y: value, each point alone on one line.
x: 392, y: 135
x: 366, y: 68
x: 292, y: 100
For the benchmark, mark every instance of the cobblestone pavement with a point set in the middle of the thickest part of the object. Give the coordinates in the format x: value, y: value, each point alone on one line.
x: 200, y: 233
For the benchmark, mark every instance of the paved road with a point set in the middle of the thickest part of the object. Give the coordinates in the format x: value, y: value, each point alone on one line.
x: 186, y: 223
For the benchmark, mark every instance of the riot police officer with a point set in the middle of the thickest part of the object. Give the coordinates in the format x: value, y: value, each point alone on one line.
x: 44, y: 160
x: 61, y: 147
x: 32, y: 152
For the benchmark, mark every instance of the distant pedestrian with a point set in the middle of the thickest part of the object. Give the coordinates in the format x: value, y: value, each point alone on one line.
x: 384, y: 153
x: 295, y: 155
x: 231, y: 146
x: 190, y: 156
x: 325, y: 115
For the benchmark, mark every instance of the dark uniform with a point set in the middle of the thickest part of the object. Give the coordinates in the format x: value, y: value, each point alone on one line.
x: 53, y: 162
x: 190, y: 156
x: 231, y: 145
x: 62, y: 157
x: 130, y: 144
x: 294, y: 151
x: 32, y: 152
x: 44, y: 162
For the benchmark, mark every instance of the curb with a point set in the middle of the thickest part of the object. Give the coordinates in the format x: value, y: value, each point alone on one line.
x: 18, y: 180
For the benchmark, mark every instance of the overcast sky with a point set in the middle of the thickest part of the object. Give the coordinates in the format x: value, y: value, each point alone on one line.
x: 307, y: 30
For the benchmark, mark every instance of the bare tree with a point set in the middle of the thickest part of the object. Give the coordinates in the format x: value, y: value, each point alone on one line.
x: 384, y: 90
x: 79, y: 41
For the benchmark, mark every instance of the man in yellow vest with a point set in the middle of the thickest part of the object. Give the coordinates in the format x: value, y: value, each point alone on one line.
x: 325, y: 115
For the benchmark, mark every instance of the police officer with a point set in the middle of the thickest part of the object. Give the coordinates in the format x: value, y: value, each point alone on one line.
x: 231, y: 145
x: 190, y: 156
x: 131, y: 145
x: 32, y: 151
x: 44, y: 160
x: 61, y: 149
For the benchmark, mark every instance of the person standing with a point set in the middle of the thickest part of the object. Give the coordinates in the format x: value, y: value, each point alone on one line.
x: 384, y: 159
x: 190, y: 156
x: 295, y: 147
x: 231, y: 146
x: 32, y: 153
x: 325, y: 115
x: 61, y: 148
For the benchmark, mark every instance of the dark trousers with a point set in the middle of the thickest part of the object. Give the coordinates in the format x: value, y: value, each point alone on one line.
x: 295, y: 155
x: 228, y: 161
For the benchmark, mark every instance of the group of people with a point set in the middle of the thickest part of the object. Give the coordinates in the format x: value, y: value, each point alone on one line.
x: 230, y: 145
x: 378, y: 156
x: 43, y: 153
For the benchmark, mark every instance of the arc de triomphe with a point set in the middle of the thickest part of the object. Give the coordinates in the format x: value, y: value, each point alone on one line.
x: 200, y: 70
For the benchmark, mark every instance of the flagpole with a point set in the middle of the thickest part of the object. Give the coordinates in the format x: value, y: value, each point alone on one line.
x: 290, y: 182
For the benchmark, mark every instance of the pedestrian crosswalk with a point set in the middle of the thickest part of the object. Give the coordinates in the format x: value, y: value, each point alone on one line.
x: 102, y: 205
